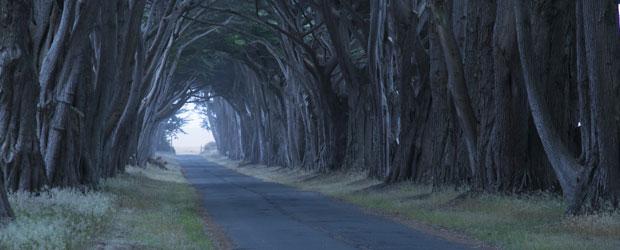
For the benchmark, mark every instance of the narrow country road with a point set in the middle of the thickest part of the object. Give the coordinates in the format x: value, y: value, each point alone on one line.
x: 261, y: 215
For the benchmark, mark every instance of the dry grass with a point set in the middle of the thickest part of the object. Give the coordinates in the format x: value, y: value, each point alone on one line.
x: 57, y: 219
x: 156, y: 209
x: 534, y: 221
x: 172, y: 173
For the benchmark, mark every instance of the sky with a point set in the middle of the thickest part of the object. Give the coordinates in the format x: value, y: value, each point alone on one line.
x: 195, y: 136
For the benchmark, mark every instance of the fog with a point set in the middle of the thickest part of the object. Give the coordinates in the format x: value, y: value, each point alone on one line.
x: 195, y: 135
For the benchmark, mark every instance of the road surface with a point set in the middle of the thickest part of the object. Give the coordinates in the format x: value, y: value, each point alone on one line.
x: 256, y: 214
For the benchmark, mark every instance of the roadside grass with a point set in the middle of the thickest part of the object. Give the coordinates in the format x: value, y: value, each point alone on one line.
x: 57, y: 219
x: 150, y: 208
x: 157, y: 209
x: 534, y: 221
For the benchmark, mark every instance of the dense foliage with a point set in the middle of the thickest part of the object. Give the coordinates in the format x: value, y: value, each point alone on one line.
x: 92, y: 86
x: 501, y: 96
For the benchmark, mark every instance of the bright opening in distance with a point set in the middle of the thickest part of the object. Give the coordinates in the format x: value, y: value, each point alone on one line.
x: 195, y: 135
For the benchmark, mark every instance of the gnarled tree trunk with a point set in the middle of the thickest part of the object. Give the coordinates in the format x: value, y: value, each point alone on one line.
x: 21, y: 159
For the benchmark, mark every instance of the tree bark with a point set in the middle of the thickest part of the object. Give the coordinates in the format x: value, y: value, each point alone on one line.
x: 16, y: 114
x: 21, y: 159
x: 585, y: 186
x: 456, y: 81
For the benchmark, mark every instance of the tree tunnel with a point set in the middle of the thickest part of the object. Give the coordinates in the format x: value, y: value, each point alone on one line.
x: 446, y: 93
x: 483, y: 94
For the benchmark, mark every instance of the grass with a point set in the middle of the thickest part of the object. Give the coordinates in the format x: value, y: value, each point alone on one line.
x: 58, y: 219
x: 149, y: 208
x: 534, y: 221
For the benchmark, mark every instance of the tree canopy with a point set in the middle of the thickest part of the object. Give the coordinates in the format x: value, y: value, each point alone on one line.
x: 500, y: 96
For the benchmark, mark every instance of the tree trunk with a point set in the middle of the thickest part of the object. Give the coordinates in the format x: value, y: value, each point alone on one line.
x: 16, y: 114
x: 6, y: 212
x: 456, y: 81
x: 585, y: 185
x: 21, y: 161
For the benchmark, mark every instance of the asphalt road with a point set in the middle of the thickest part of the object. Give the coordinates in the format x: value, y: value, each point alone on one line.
x: 256, y: 214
